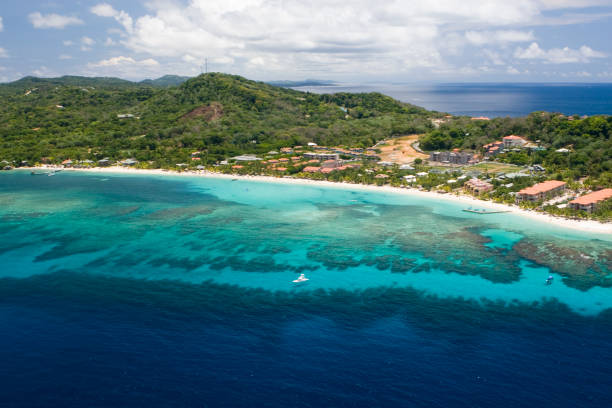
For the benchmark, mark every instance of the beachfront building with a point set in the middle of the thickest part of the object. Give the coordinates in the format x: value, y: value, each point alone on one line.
x: 322, y: 156
x: 513, y: 141
x: 541, y: 191
x: 128, y: 162
x: 589, y: 202
x: 477, y: 186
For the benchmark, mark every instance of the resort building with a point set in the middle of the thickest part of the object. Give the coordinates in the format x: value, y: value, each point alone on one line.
x: 311, y: 169
x: 245, y: 158
x: 128, y: 162
x: 513, y: 141
x: 541, y: 191
x: 322, y: 156
x: 454, y: 157
x: 590, y: 201
x: 477, y: 186
x: 494, y: 148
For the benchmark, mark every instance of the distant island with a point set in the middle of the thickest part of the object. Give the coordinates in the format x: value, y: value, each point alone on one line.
x: 306, y: 82
x: 224, y: 123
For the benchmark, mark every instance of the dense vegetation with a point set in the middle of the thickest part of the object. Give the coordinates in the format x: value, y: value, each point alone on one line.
x: 588, y: 140
x: 218, y: 114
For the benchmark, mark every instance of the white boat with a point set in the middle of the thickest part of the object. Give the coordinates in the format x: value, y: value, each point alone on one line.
x: 300, y: 279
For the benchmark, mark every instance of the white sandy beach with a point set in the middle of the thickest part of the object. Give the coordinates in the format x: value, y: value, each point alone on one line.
x: 582, y: 225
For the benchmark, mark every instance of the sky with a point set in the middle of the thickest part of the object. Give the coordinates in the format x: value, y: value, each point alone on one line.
x: 341, y: 40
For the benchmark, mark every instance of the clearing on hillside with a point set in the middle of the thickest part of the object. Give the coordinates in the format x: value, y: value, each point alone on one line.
x: 210, y: 112
x: 399, y: 150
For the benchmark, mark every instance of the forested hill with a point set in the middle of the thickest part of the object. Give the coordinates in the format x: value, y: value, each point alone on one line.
x: 224, y: 115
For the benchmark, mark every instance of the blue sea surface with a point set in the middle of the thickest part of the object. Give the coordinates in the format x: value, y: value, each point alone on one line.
x: 171, y: 291
x: 493, y: 99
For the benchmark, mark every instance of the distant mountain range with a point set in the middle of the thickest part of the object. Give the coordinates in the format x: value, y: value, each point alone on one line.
x: 71, y: 80
x: 306, y: 82
x: 162, y: 82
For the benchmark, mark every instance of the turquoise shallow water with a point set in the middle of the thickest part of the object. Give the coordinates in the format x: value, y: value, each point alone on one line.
x: 261, y: 235
x: 134, y: 290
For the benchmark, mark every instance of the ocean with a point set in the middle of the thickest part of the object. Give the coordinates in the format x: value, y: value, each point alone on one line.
x: 168, y: 291
x: 493, y: 99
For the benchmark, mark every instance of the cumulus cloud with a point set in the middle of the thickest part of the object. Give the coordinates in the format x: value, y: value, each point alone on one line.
x: 3, y: 53
x: 106, y: 10
x: 126, y: 67
x: 512, y: 71
x: 123, y: 61
x: 336, y: 37
x: 558, y: 55
x: 498, y: 37
x: 86, y: 43
x: 53, y: 20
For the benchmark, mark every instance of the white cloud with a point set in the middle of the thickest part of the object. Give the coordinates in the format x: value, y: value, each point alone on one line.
x: 109, y: 42
x: 498, y: 37
x: 86, y: 43
x: 126, y: 67
x: 512, y: 71
x: 1, y: 24
x: 68, y: 43
x: 494, y: 57
x: 43, y: 71
x: 332, y: 37
x: 106, y: 10
x: 53, y: 20
x: 123, y: 61
x: 3, y: 53
x: 558, y: 55
x: 65, y: 57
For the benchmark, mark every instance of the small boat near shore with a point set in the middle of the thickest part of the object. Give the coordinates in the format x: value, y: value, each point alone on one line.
x: 45, y: 173
x: 484, y: 211
x: 301, y: 279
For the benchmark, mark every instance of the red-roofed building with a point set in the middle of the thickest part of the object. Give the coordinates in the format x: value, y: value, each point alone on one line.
x: 513, y: 141
x: 476, y: 186
x: 590, y: 201
x: 283, y: 160
x: 311, y: 169
x: 237, y: 166
x: 480, y: 118
x: 541, y: 191
x: 280, y: 169
x: 327, y: 170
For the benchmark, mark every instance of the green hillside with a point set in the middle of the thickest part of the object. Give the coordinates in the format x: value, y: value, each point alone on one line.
x: 224, y: 115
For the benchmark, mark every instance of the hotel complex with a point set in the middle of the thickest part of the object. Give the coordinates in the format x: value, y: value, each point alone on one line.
x: 590, y: 201
x: 541, y: 191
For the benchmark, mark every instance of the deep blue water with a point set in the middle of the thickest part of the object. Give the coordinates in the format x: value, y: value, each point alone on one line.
x: 149, y: 291
x: 493, y: 99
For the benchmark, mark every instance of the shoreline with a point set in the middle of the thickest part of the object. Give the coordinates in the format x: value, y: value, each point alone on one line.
x: 581, y: 225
